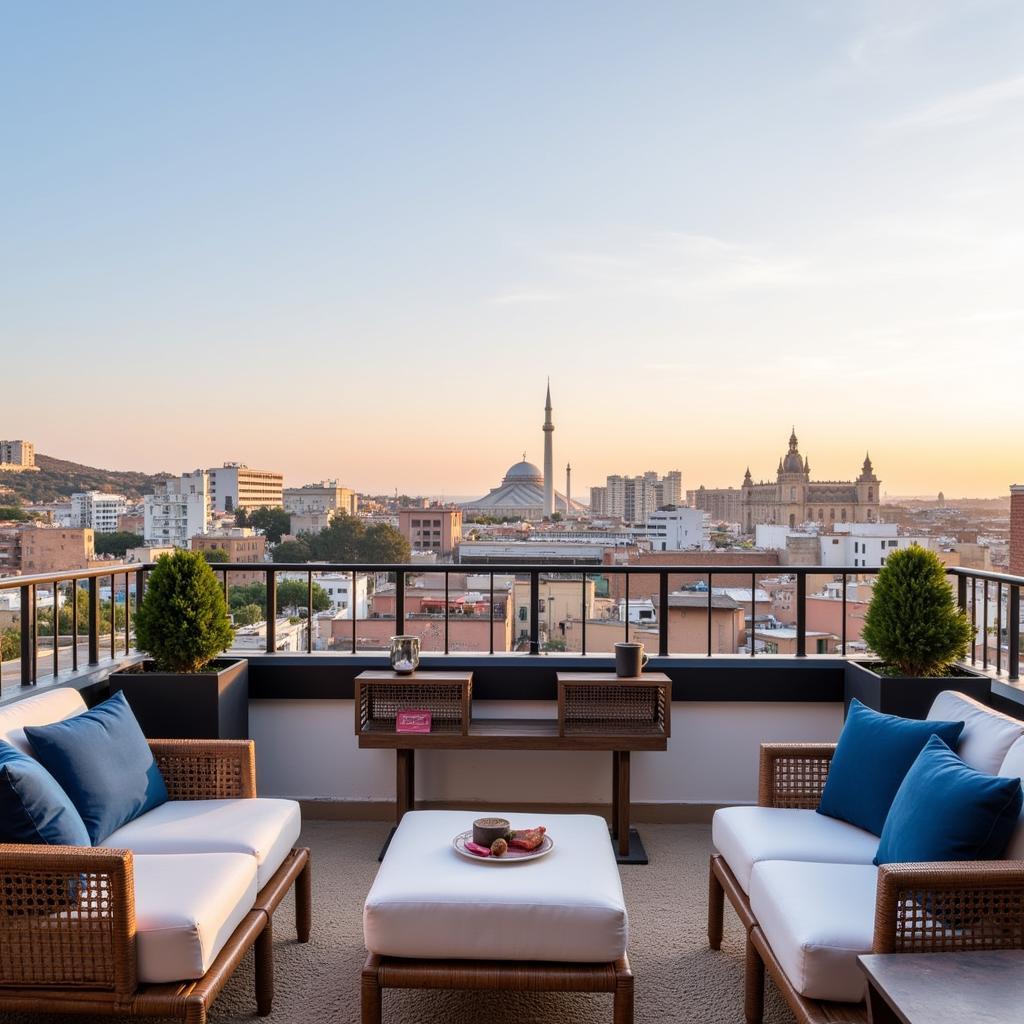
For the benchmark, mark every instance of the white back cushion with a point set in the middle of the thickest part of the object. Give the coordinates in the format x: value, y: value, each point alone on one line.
x: 987, y: 734
x: 1013, y: 767
x: 40, y: 709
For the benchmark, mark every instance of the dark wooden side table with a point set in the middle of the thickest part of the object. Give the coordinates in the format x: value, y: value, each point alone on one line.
x: 583, y: 732
x: 945, y: 988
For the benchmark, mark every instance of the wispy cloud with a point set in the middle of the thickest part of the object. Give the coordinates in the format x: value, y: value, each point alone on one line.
x: 965, y: 107
x: 526, y: 296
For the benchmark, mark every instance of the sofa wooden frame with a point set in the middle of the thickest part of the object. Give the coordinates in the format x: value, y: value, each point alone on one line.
x: 67, y: 914
x: 985, y: 899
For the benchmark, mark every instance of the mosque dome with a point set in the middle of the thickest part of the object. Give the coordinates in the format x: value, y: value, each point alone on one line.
x: 524, y: 472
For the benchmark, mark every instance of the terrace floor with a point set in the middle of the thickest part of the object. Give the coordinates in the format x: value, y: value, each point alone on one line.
x: 678, y: 979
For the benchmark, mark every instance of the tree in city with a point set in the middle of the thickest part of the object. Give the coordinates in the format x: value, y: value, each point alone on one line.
x: 249, y: 593
x: 383, y: 543
x: 913, y: 623
x: 117, y: 544
x: 273, y: 522
x: 297, y: 550
x: 248, y: 615
x: 10, y: 644
x: 13, y: 514
x: 341, y: 541
x: 293, y: 594
x: 218, y: 555
x: 241, y: 516
x: 183, y: 622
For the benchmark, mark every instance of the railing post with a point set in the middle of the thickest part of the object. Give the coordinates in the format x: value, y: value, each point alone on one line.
x: 534, y: 612
x: 400, y: 603
x: 28, y: 636
x: 140, y: 588
x: 961, y: 592
x: 801, y: 615
x: 1013, y: 633
x: 94, y: 620
x: 663, y: 614
x: 271, y: 611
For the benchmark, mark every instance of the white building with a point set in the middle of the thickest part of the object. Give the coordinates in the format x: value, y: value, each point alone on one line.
x: 234, y: 485
x: 865, y: 545
x: 326, y: 496
x: 180, y: 512
x: 97, y: 510
x: 677, y: 529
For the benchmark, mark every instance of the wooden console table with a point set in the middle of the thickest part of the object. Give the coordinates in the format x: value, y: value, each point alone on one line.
x: 595, y: 727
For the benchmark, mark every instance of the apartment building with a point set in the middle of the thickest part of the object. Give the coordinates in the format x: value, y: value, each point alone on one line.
x: 99, y: 511
x: 240, y: 544
x: 431, y: 529
x: 723, y: 504
x: 634, y: 498
x: 179, y: 512
x: 326, y: 496
x: 676, y: 529
x: 18, y: 457
x: 54, y: 549
x: 10, y: 548
x: 234, y: 485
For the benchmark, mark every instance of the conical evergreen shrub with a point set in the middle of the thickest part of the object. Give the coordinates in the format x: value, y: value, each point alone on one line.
x: 183, y: 623
x: 913, y: 623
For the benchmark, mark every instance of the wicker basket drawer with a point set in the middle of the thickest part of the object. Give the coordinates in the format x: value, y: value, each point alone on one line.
x: 605, y: 707
x: 379, y: 696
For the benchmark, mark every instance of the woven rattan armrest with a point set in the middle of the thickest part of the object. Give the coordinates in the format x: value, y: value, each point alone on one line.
x: 67, y: 918
x: 950, y: 906
x: 793, y: 774
x: 207, y: 769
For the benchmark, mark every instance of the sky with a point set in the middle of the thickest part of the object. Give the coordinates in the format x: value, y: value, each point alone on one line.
x: 353, y: 240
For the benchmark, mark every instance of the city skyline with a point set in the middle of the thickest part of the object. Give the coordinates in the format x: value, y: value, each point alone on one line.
x: 281, y: 256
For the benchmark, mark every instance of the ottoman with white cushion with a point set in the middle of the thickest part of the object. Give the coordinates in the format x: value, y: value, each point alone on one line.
x: 435, y: 919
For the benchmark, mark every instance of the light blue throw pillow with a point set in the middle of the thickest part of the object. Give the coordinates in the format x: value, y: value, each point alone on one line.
x: 102, y: 761
x: 874, y: 753
x: 33, y: 807
x: 945, y: 810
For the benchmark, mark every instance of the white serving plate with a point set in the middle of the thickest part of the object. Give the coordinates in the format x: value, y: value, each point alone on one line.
x: 514, y: 856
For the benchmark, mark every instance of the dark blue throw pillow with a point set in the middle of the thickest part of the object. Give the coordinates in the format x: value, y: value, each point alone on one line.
x: 33, y: 807
x: 103, y: 762
x: 874, y: 753
x: 945, y: 810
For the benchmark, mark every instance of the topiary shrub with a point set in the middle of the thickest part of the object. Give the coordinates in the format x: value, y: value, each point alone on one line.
x: 183, y: 623
x: 913, y: 623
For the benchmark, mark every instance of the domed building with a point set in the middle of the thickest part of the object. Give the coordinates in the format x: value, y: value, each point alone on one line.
x: 793, y: 498
x: 519, y: 495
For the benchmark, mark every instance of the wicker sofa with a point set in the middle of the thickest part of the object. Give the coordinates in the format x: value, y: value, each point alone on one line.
x: 805, y: 889
x: 153, y: 923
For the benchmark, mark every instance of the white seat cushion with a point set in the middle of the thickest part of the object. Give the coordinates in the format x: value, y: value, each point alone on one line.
x: 262, y: 828
x: 39, y: 709
x: 428, y: 901
x: 987, y: 735
x: 817, y: 918
x: 744, y: 836
x: 186, y: 908
x: 1013, y: 768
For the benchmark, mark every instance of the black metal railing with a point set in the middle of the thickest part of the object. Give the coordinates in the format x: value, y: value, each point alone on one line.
x: 975, y: 590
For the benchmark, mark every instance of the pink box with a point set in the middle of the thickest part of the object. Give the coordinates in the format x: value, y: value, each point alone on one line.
x: 412, y: 720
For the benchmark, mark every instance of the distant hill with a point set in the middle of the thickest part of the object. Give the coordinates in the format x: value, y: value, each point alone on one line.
x: 58, y: 479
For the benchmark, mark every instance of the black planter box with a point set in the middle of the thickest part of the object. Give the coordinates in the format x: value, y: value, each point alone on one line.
x: 212, y: 705
x: 908, y: 696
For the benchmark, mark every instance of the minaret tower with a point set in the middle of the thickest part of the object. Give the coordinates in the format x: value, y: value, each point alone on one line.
x: 549, y: 459
x: 568, y: 489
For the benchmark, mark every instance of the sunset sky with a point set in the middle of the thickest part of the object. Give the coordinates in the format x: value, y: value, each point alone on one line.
x: 353, y: 240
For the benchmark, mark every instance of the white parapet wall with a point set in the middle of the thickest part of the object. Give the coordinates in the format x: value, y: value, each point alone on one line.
x: 307, y: 749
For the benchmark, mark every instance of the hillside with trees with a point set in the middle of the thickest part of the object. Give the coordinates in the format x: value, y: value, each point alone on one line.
x: 58, y: 479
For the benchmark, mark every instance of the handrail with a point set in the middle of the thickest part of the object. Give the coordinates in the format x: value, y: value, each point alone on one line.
x: 968, y: 582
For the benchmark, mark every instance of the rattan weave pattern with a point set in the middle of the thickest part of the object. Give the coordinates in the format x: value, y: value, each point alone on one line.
x: 634, y: 705
x: 381, y: 702
x: 937, y: 908
x: 66, y: 918
x: 793, y: 774
x: 206, y: 769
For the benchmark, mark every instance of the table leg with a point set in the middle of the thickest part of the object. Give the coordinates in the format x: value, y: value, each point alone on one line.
x: 405, y: 781
x: 879, y: 1011
x: 615, y: 794
x: 622, y: 802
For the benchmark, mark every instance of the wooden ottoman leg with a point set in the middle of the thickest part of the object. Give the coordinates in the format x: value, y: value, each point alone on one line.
x: 304, y: 902
x: 622, y: 1011
x: 264, y: 950
x: 753, y: 996
x: 716, y: 908
x: 195, y: 1011
x: 370, y: 991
